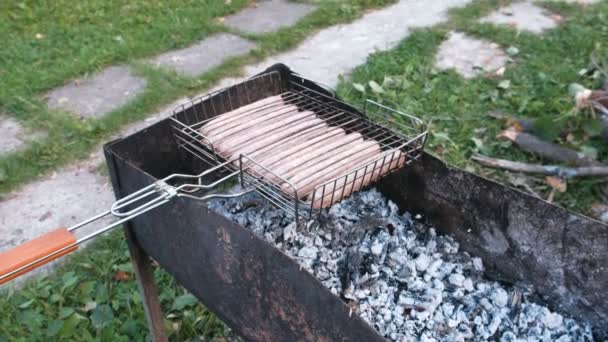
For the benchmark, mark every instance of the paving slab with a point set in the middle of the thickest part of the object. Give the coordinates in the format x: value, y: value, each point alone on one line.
x: 338, y: 49
x: 13, y: 136
x: 98, y: 94
x: 267, y: 16
x: 204, y: 55
x: 524, y: 16
x: 469, y: 56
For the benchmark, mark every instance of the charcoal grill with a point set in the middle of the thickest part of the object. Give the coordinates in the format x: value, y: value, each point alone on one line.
x: 263, y: 295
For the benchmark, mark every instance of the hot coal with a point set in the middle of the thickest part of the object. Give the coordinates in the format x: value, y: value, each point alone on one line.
x: 403, y: 279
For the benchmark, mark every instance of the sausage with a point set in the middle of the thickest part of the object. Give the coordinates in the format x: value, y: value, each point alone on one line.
x: 366, y: 172
x: 236, y: 114
x: 255, y: 144
x: 229, y: 145
x: 339, y: 163
x: 247, y: 123
x: 306, y: 158
x: 297, y: 141
x: 320, y: 134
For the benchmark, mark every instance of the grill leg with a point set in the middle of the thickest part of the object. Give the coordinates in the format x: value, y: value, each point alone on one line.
x: 147, y: 289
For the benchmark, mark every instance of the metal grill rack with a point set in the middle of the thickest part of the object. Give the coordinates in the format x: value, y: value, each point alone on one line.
x: 400, y: 136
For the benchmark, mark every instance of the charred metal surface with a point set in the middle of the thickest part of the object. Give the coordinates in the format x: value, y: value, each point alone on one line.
x: 519, y: 237
x: 257, y: 290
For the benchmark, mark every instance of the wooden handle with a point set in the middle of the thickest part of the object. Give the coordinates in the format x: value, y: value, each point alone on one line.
x: 40, y: 247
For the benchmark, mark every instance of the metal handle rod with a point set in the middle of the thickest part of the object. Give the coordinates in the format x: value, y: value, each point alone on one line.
x: 164, y: 193
x: 79, y: 241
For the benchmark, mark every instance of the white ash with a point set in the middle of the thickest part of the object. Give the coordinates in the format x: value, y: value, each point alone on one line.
x: 406, y: 281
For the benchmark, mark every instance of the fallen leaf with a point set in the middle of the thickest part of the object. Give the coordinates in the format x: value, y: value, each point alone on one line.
x: 557, y: 18
x: 184, y: 301
x: 504, y: 84
x: 360, y: 87
x: 62, y: 100
x: 26, y: 305
x: 39, y: 36
x: 376, y: 88
x: 512, y: 51
x: 509, y: 134
x: 589, y: 151
x: 514, y: 124
x: 500, y: 72
x: 227, y: 2
x: 556, y: 183
x: 121, y: 276
x: 600, y: 211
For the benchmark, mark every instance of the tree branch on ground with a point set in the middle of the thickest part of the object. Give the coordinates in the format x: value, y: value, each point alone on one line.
x: 531, y: 143
x: 547, y: 170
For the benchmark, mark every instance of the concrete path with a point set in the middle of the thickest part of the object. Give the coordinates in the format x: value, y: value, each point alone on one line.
x: 98, y: 94
x: 79, y: 191
x: 523, y: 16
x: 470, y: 57
x: 204, y: 55
x: 268, y: 15
x: 338, y: 49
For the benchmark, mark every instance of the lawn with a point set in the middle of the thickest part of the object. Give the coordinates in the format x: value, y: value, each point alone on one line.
x: 539, y: 78
x: 48, y: 43
x: 94, y: 296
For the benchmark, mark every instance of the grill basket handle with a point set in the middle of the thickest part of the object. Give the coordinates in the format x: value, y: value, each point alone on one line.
x: 35, y: 253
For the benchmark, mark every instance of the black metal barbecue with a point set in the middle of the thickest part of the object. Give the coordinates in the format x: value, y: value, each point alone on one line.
x: 261, y: 293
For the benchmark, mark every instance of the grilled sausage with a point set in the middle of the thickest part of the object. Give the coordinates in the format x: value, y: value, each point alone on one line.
x: 345, y: 160
x: 295, y: 142
x: 229, y: 145
x: 368, y: 170
x: 321, y: 134
x: 306, y: 158
x: 237, y: 114
x: 283, y: 134
x: 246, y: 124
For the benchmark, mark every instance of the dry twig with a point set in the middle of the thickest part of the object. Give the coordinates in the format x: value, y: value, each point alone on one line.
x: 547, y: 170
x: 551, y: 151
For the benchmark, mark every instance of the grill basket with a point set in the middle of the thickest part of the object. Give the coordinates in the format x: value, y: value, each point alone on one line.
x: 401, y: 144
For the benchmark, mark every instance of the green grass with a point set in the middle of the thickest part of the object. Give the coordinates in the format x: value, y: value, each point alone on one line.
x: 72, y: 47
x: 539, y: 76
x: 87, y: 300
x: 46, y: 43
